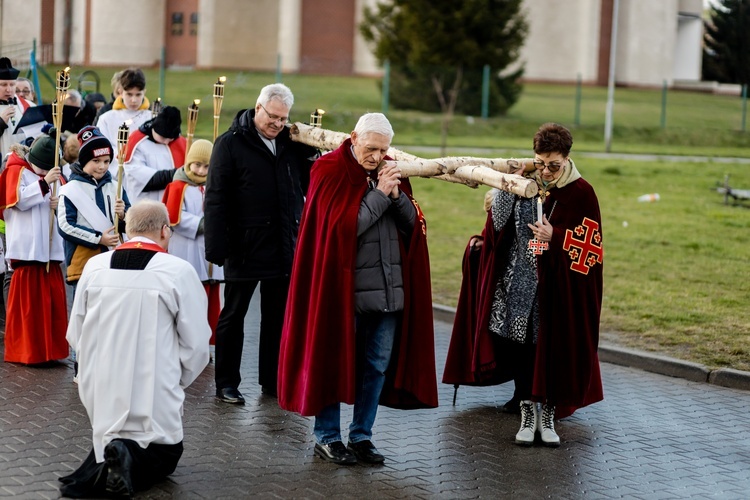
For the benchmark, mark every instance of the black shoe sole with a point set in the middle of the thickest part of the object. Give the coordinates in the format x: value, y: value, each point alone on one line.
x: 230, y: 401
x: 320, y: 453
x: 119, y: 482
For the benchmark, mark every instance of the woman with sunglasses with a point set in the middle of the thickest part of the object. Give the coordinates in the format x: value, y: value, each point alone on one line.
x: 531, y: 296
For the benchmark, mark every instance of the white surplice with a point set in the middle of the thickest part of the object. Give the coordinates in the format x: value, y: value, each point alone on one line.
x: 141, y: 337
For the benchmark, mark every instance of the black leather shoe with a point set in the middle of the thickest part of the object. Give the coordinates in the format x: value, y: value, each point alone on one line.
x: 230, y: 395
x: 366, y: 452
x: 335, y: 452
x: 119, y: 464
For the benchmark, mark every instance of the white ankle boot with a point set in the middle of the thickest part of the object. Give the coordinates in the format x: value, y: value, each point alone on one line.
x: 529, y: 418
x: 546, y: 426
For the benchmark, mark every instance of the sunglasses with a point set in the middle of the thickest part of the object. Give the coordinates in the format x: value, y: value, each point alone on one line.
x: 553, y: 167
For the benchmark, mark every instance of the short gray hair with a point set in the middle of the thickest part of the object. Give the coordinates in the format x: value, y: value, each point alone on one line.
x: 374, y: 123
x: 145, y: 217
x: 76, y: 96
x: 278, y: 92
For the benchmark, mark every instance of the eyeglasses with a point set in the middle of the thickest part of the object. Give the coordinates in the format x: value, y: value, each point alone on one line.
x: 171, y: 230
x: 553, y: 167
x: 23, y: 91
x: 275, y: 118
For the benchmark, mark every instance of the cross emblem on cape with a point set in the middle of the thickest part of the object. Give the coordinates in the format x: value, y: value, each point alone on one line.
x: 585, y: 252
x: 537, y: 246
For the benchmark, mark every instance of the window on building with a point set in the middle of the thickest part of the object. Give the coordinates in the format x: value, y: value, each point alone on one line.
x: 194, y: 24
x: 177, y: 23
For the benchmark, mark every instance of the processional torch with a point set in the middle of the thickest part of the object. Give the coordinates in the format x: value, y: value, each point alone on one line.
x: 192, y: 119
x: 122, y: 143
x: 62, y: 82
x: 218, y: 101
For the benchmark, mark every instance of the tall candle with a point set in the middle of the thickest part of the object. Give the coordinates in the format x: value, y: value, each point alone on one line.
x: 539, y: 209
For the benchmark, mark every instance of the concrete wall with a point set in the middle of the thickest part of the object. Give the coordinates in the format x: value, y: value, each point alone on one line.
x: 121, y: 33
x: 290, y: 31
x: 364, y: 62
x: 646, y: 38
x: 563, y: 39
x: 239, y: 34
x: 20, y: 21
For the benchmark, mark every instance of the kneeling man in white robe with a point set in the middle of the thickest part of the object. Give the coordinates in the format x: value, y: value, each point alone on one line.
x: 139, y: 328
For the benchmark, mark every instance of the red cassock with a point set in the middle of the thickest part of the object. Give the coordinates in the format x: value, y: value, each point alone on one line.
x: 317, y: 358
x: 566, y: 369
x: 37, y: 315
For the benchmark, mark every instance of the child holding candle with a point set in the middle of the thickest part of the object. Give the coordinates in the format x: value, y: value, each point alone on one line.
x: 88, y: 204
x: 37, y: 310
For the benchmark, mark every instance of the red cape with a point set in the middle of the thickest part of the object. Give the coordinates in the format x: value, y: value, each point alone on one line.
x: 570, y: 294
x: 174, y: 196
x: 176, y: 148
x: 317, y: 359
x: 10, y: 181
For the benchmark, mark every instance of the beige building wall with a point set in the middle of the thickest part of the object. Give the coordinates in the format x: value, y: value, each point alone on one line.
x: 290, y: 30
x: 127, y: 33
x: 20, y: 22
x: 239, y: 34
x: 77, y: 31
x: 646, y: 38
x: 364, y: 61
x: 563, y: 39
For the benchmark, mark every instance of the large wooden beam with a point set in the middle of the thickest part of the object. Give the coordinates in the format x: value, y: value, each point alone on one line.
x: 467, y: 170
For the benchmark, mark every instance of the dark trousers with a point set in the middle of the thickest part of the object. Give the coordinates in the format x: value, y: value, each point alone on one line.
x: 230, y: 332
x: 521, y: 358
x: 150, y: 465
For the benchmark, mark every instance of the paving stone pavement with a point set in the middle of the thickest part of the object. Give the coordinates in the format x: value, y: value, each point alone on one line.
x: 653, y: 437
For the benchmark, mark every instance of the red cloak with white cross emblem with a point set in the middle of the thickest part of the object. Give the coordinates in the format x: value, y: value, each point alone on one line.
x: 566, y: 371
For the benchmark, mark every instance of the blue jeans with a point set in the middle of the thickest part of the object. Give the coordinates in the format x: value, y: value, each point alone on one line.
x: 375, y: 334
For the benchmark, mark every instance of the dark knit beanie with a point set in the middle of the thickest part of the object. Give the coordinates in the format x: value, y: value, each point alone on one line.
x: 93, y: 145
x: 167, y: 123
x: 43, y: 151
x: 93, y: 97
x: 7, y: 71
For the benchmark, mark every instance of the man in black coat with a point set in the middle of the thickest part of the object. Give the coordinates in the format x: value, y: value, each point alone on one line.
x: 253, y: 203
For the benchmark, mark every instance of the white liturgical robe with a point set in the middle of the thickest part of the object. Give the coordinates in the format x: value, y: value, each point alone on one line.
x: 141, y: 337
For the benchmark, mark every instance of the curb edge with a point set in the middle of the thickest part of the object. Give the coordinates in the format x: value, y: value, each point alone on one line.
x: 646, y: 361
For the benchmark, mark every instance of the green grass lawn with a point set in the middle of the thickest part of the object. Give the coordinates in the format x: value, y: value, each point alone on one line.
x: 676, y: 276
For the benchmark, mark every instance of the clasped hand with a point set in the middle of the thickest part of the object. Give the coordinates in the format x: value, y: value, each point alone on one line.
x: 542, y: 230
x: 388, y: 180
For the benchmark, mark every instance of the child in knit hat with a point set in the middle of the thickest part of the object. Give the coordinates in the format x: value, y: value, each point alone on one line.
x: 37, y: 315
x: 89, y: 203
x: 184, y: 201
x: 153, y: 154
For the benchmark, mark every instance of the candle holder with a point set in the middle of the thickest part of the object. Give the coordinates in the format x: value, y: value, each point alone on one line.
x: 123, y: 133
x: 316, y: 118
x: 218, y: 101
x: 156, y: 107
